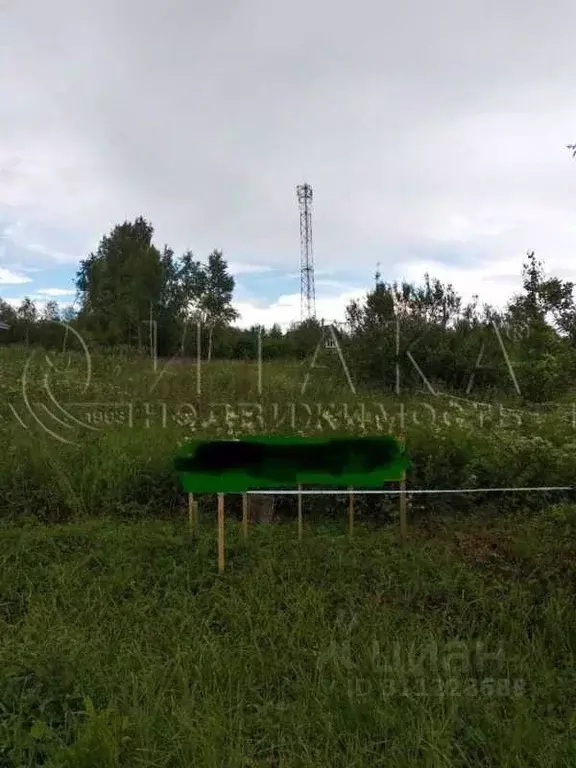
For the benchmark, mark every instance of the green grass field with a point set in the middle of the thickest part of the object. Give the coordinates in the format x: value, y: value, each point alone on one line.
x: 122, y: 645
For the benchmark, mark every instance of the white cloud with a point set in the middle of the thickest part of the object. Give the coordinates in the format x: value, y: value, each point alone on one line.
x: 12, y: 229
x: 286, y: 309
x: 494, y: 286
x: 38, y: 303
x: 337, y: 284
x: 317, y: 273
x: 55, y: 292
x: 12, y: 278
x: 240, y: 268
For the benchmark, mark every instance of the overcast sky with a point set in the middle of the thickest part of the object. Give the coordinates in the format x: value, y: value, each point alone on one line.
x: 433, y: 134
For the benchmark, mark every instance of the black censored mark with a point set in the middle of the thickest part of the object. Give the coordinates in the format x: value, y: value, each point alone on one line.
x: 334, y: 457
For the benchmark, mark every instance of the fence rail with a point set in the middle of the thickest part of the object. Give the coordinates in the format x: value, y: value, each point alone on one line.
x: 378, y: 491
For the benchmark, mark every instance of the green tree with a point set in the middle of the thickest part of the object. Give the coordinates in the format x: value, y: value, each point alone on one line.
x: 69, y: 314
x: 193, y: 283
x: 120, y: 286
x: 216, y: 302
x: 392, y: 318
x: 51, y: 311
x: 7, y: 313
x: 27, y: 311
x: 168, y: 309
x: 27, y: 315
x: 545, y: 309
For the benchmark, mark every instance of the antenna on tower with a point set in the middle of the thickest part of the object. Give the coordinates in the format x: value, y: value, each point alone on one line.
x: 307, y: 291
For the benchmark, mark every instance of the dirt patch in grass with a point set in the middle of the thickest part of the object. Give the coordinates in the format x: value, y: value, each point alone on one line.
x: 539, y: 547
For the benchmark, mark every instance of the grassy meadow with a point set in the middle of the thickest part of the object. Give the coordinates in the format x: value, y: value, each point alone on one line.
x: 122, y: 645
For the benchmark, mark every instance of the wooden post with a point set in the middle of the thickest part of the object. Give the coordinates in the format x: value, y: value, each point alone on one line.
x: 403, y: 522
x: 299, y: 513
x: 403, y: 505
x: 220, y: 531
x: 351, y: 512
x: 198, y: 358
x: 245, y: 514
x: 192, y: 514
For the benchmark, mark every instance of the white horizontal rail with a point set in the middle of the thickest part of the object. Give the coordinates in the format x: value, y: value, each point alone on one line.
x: 408, y: 492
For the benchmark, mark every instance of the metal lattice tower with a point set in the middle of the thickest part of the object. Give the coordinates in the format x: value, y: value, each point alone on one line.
x: 307, y: 290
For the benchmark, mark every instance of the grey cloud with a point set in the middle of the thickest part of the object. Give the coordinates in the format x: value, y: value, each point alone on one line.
x: 423, y: 128
x: 30, y: 258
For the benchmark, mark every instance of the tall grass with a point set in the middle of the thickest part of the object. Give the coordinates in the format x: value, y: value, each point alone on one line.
x: 122, y: 646
x: 117, y: 455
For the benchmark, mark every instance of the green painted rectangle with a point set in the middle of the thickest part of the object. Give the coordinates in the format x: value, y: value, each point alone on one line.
x: 267, y: 463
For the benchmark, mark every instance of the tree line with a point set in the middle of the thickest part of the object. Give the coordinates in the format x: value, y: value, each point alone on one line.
x: 129, y: 286
x: 527, y: 349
